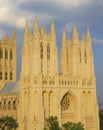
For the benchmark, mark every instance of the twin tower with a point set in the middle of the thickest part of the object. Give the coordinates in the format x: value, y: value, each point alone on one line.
x: 71, y: 94
x: 40, y: 53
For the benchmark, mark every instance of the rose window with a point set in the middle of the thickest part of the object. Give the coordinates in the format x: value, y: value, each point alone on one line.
x: 65, y: 102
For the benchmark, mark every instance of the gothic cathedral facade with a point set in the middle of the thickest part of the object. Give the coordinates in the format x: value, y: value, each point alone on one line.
x: 42, y: 91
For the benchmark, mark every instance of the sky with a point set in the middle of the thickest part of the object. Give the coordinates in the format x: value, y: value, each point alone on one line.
x: 65, y: 13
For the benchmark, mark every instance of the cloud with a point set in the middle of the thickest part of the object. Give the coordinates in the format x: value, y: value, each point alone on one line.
x: 97, y: 41
x: 69, y: 27
x: 15, y: 13
x: 61, y: 3
x: 73, y: 3
x: 12, y: 15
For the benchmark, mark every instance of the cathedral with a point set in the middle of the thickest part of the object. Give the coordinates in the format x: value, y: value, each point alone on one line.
x: 43, y: 91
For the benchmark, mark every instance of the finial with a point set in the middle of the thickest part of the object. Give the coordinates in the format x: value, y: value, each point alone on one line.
x: 52, y: 24
x: 26, y: 27
x: 75, y: 28
x: 69, y: 41
x: 52, y: 31
x: 14, y: 34
x: 36, y: 27
x: 88, y: 37
x: 6, y: 37
x: 36, y: 21
x: 42, y: 30
x: 75, y: 33
x: 64, y: 39
x: 52, y: 28
x: 26, y: 23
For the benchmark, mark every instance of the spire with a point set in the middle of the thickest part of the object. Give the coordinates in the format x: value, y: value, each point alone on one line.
x: 88, y: 37
x: 14, y: 36
x: 6, y: 37
x: 36, y: 27
x: 26, y: 28
x: 69, y: 41
x: 26, y: 32
x: 42, y: 31
x: 64, y: 39
x: 75, y: 34
x: 52, y: 31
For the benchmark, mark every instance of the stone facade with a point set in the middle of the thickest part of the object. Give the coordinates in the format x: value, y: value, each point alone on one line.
x: 44, y: 92
x: 8, y: 59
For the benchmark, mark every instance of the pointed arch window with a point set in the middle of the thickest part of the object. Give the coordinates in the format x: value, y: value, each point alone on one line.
x: 9, y: 105
x: 48, y: 52
x: 85, y: 55
x: 0, y: 75
x: 41, y: 51
x: 65, y: 103
x: 1, y: 53
x: 11, y: 54
x: 11, y: 75
x: 6, y: 75
x: 4, y: 105
x: 14, y: 105
x: 6, y: 54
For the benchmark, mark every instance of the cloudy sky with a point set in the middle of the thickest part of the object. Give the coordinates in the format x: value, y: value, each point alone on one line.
x: 66, y: 13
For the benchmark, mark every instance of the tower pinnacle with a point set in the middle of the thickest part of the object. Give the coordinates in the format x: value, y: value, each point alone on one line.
x: 26, y: 32
x: 6, y: 37
x: 43, y: 30
x: 75, y: 34
x: 88, y: 37
x: 36, y: 27
x: 52, y: 31
x: 69, y: 41
x: 26, y: 27
x: 64, y: 39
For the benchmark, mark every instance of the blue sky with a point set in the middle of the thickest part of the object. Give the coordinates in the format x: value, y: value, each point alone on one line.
x: 66, y: 13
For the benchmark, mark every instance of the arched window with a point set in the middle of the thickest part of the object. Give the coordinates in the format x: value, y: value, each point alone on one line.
x: 9, y: 105
x: 6, y: 54
x: 85, y: 55
x: 14, y: 105
x: 0, y: 75
x: 11, y: 54
x: 6, y: 75
x: 11, y: 76
x: 4, y: 105
x: 48, y: 52
x: 65, y: 102
x: 1, y: 53
x: 80, y: 55
x: 41, y: 51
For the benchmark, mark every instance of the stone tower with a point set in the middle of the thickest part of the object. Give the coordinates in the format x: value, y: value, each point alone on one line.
x: 77, y: 56
x: 8, y: 59
x: 70, y: 95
